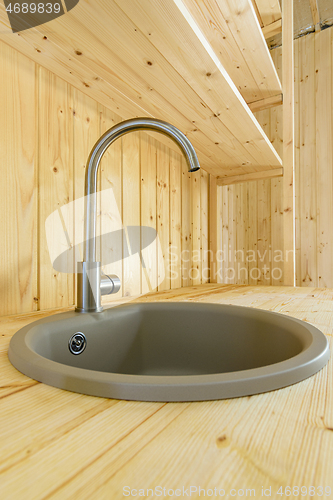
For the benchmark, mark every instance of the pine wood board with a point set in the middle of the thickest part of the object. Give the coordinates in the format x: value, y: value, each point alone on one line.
x: 84, y: 447
x: 111, y: 182
x: 143, y: 81
x: 176, y: 219
x: 148, y: 154
x: 18, y: 155
x: 55, y: 180
x: 269, y: 10
x: 240, y: 51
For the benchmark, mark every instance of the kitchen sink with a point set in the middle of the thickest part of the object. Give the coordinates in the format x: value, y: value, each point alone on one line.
x: 169, y: 351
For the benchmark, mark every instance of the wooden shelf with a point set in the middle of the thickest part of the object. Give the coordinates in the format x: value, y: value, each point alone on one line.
x: 157, y: 58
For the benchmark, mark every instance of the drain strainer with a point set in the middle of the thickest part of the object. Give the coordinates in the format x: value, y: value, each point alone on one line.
x: 77, y: 343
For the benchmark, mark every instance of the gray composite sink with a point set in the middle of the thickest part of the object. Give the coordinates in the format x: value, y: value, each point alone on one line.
x: 169, y: 351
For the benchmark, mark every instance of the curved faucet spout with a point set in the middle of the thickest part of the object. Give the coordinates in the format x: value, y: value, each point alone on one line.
x: 90, y: 266
x: 95, y: 157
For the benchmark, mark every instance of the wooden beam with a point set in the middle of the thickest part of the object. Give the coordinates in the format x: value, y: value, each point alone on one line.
x: 269, y: 102
x: 315, y: 14
x: 254, y: 176
x: 272, y: 29
x: 288, y: 142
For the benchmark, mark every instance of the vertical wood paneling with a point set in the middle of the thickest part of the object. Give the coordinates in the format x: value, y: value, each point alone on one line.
x: 204, y: 225
x: 111, y: 203
x: 175, y: 219
x: 298, y: 214
x: 55, y: 155
x: 223, y: 214
x: 324, y: 163
x: 196, y: 233
x: 131, y: 210
x: 186, y: 225
x: 264, y: 231
x: 308, y: 161
x: 163, y: 202
x: 47, y: 131
x: 277, y: 224
x: 232, y: 207
x: 18, y: 193
x: 313, y: 178
x: 253, y: 233
x: 148, y: 211
x: 86, y: 133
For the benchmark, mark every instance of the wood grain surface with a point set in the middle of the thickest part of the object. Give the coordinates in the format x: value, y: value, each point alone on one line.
x: 58, y: 444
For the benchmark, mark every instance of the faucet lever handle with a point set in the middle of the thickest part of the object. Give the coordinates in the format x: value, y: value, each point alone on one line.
x: 109, y: 284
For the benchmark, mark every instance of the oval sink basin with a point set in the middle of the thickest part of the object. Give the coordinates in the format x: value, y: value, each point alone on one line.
x: 169, y: 351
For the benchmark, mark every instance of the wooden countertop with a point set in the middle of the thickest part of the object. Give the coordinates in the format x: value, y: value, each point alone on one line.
x: 57, y: 444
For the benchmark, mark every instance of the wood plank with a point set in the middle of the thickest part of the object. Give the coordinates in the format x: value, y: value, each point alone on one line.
x: 174, y: 35
x: 298, y: 177
x: 223, y: 259
x: 186, y: 225
x: 148, y: 154
x: 163, y: 208
x: 264, y: 232
x: 315, y: 14
x: 51, y: 48
x: 235, y: 179
x: 276, y: 136
x: 204, y: 223
x: 269, y: 10
x: 213, y: 221
x: 308, y: 162
x: 131, y: 206
x: 269, y: 102
x: 18, y: 139
x: 253, y: 232
x: 288, y: 141
x: 175, y: 219
x: 86, y: 131
x: 324, y: 159
x: 272, y: 29
x: 256, y: 10
x: 196, y: 233
x: 223, y: 30
x: 111, y: 203
x: 55, y: 122
x: 82, y: 65
x: 231, y: 276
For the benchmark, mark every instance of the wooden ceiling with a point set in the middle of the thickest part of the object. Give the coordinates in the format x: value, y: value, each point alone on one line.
x: 194, y: 63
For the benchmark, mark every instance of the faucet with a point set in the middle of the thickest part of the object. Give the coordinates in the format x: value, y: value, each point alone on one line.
x: 91, y: 283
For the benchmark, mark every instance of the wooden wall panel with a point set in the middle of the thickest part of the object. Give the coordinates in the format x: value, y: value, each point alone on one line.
x: 148, y: 211
x: 196, y: 232
x: 55, y: 180
x: 324, y: 157
x: 131, y: 211
x: 176, y: 219
x: 18, y: 249
x: 111, y: 184
x: 47, y: 131
x: 307, y: 179
x: 313, y: 181
x: 163, y: 208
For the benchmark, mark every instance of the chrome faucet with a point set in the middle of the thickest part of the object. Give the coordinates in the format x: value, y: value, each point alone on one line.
x: 91, y: 284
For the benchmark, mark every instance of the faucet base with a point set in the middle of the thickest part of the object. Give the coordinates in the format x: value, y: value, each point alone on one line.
x: 88, y: 287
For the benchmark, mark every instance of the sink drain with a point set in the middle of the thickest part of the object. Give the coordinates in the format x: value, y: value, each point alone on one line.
x: 77, y: 343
